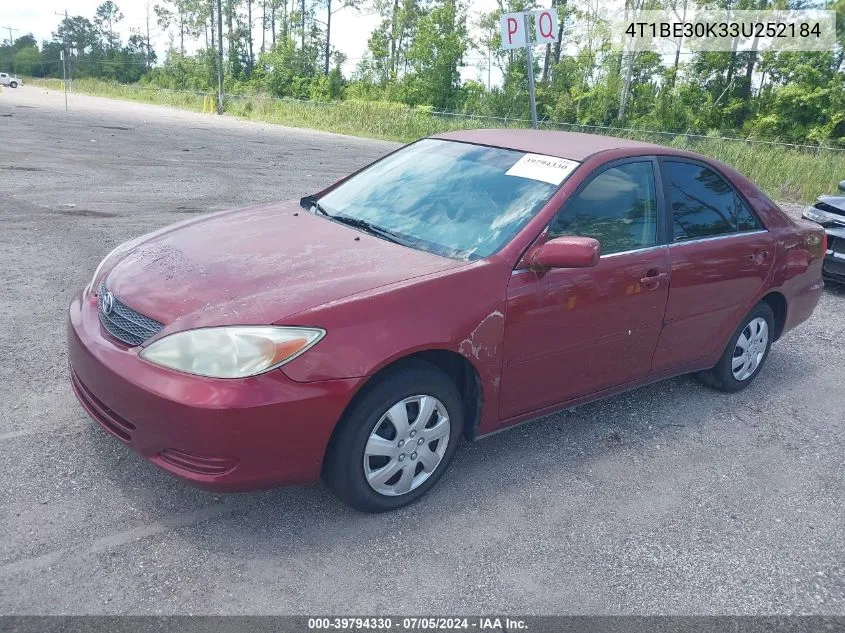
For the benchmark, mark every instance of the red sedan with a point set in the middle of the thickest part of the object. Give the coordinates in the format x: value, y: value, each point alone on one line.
x: 460, y: 285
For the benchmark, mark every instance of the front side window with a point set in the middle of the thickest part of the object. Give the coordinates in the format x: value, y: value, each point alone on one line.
x: 618, y: 208
x: 449, y: 198
x: 703, y: 204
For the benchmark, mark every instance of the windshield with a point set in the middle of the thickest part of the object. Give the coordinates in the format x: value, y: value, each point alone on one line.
x: 454, y: 199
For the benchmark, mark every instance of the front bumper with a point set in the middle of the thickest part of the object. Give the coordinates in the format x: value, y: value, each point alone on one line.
x: 222, y: 435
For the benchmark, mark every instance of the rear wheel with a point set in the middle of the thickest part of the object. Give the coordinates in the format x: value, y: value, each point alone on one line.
x: 13, y: 84
x: 397, y: 440
x: 745, y: 354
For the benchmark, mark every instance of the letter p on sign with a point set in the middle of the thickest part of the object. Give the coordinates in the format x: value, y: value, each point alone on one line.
x: 513, y: 30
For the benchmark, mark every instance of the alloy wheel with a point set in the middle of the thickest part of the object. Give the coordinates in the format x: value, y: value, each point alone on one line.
x: 406, y: 445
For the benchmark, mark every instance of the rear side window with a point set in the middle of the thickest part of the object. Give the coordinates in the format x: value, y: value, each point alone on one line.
x: 703, y: 204
x: 618, y: 208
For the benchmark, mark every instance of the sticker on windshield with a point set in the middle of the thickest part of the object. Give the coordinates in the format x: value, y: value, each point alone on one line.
x: 544, y: 168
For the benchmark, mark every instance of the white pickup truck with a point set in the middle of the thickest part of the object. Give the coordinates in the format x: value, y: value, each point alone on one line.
x: 10, y: 80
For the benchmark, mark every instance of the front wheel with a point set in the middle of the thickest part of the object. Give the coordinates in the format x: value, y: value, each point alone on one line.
x: 397, y: 440
x: 14, y: 84
x: 745, y: 354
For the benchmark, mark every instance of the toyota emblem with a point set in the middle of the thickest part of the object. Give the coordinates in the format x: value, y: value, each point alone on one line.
x: 108, y: 302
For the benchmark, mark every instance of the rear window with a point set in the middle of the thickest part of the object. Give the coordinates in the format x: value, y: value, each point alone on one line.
x: 703, y: 203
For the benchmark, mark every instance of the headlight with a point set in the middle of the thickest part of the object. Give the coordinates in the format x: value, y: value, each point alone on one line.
x: 235, y: 351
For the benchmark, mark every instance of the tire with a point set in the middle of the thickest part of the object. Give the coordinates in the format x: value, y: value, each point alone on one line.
x: 14, y: 84
x: 360, y: 480
x: 736, y: 369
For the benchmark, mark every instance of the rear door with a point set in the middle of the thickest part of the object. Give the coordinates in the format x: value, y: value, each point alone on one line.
x: 720, y: 256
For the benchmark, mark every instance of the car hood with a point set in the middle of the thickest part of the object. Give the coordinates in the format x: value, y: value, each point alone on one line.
x: 257, y: 266
x: 837, y: 202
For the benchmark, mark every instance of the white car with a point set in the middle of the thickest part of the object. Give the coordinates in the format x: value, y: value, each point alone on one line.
x: 9, y: 80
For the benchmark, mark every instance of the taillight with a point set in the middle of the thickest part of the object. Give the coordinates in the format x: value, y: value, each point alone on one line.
x: 817, y: 243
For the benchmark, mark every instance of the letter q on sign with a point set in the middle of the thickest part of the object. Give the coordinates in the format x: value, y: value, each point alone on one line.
x: 545, y: 26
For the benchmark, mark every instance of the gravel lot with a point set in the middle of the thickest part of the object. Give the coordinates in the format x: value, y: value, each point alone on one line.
x: 668, y: 499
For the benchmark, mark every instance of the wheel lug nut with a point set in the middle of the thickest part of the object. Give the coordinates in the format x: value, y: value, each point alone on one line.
x: 401, y: 442
x: 413, y: 455
x: 402, y: 457
x: 420, y: 441
x: 413, y: 433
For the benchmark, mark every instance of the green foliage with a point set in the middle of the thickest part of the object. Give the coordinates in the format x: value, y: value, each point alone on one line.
x: 434, y: 57
x: 27, y: 61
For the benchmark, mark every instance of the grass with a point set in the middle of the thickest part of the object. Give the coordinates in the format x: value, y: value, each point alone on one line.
x: 785, y: 173
x: 129, y: 92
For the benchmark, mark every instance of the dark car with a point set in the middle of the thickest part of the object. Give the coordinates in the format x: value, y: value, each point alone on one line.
x: 458, y: 286
x: 829, y: 211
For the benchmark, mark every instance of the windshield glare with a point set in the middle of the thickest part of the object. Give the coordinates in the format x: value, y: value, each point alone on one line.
x: 445, y: 197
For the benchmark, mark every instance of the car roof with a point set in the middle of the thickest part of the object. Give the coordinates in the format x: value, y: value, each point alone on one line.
x: 571, y: 145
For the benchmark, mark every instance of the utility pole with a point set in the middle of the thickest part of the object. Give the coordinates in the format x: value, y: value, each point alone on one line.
x: 149, y: 48
x: 64, y: 77
x: 10, y: 29
x: 11, y: 44
x: 219, y: 57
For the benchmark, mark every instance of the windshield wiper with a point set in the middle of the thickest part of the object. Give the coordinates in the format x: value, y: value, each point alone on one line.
x: 311, y: 202
x: 372, y: 229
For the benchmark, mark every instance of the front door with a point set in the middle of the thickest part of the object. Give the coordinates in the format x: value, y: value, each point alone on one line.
x: 572, y: 332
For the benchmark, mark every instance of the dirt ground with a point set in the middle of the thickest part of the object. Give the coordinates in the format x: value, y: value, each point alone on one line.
x: 668, y: 499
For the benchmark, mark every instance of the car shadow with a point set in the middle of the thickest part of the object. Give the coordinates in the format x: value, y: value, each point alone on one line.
x: 834, y: 288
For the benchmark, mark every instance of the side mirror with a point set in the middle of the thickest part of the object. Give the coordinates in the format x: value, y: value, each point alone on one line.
x: 842, y: 186
x: 567, y: 252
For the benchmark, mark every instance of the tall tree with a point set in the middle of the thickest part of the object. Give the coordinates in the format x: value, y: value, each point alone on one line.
x: 181, y: 14
x: 107, y: 15
x: 332, y: 7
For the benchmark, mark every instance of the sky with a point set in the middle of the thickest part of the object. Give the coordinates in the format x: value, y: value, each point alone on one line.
x: 350, y: 29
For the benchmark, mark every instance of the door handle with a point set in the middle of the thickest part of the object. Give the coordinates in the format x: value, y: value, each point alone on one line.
x: 653, y: 279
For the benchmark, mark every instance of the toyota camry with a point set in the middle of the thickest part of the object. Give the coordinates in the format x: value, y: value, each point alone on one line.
x: 460, y: 285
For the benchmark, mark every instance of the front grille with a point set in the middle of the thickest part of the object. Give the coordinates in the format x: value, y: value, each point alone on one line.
x: 123, y: 323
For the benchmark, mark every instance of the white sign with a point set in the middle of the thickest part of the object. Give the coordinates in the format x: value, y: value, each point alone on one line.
x: 544, y: 168
x: 513, y: 30
x: 545, y: 26
x: 514, y: 33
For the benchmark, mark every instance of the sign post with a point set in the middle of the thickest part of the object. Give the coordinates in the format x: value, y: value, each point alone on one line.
x: 515, y: 33
x: 529, y: 61
x: 64, y: 77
